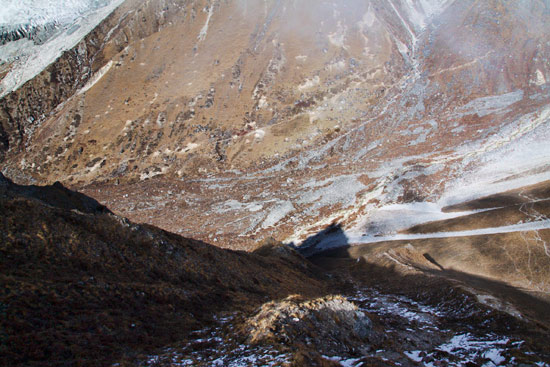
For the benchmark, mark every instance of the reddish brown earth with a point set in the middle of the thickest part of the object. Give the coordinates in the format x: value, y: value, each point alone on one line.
x: 308, y: 114
x: 231, y: 122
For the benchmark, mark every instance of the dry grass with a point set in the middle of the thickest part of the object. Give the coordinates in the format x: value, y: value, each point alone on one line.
x: 87, y: 288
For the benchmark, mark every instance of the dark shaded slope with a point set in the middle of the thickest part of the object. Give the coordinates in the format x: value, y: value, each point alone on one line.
x: 56, y: 195
x: 86, y: 288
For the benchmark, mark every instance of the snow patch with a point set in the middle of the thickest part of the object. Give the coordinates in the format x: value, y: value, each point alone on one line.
x: 513, y: 158
x: 487, y: 105
x: 204, y: 29
x: 521, y: 227
x: 234, y: 205
x: 309, y: 83
x: 368, y: 19
x: 189, y: 147
x: 262, y: 103
x: 539, y: 78
x: 467, y: 347
x: 352, y: 362
x: 280, y: 211
x: 336, y: 66
x: 259, y: 134
x: 414, y: 355
x: 96, y: 78
x: 338, y: 38
x: 498, y: 304
x: 393, y: 218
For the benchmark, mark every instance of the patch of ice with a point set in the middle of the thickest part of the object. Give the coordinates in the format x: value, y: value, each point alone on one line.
x: 280, y: 211
x: 414, y: 355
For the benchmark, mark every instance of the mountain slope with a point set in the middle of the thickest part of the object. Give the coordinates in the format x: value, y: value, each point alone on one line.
x: 306, y: 115
x: 84, y: 286
x: 414, y: 131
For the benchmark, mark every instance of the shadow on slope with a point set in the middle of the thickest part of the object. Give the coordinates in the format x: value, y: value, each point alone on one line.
x: 85, y: 287
x: 332, y: 236
x: 402, y: 269
x: 56, y: 196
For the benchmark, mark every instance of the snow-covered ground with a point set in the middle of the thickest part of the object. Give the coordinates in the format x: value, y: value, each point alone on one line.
x: 38, y: 12
x: 208, y: 347
x: 516, y: 156
x: 456, y: 348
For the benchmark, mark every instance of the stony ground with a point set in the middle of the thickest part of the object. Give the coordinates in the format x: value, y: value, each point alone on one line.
x: 445, y: 326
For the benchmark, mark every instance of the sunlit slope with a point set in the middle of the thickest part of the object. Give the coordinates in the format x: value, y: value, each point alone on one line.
x: 280, y: 118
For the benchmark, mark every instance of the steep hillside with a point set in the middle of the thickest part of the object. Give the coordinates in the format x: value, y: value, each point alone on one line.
x: 277, y: 118
x: 82, y: 286
x: 408, y: 137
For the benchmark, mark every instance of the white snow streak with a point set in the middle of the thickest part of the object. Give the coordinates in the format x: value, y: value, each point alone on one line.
x: 522, y: 227
x: 204, y: 30
x: 96, y: 78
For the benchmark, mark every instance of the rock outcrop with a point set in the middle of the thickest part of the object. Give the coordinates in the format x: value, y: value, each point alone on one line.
x: 327, y: 325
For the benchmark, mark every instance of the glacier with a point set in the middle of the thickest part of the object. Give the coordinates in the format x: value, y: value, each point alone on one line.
x: 34, y: 33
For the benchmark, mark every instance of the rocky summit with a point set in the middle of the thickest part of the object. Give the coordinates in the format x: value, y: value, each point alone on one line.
x: 275, y: 183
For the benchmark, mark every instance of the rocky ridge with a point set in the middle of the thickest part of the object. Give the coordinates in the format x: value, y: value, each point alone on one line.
x: 83, y: 286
